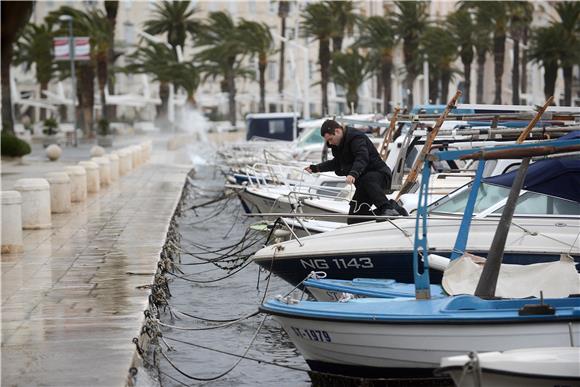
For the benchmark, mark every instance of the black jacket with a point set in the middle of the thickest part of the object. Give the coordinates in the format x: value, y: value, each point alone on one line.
x: 355, y: 155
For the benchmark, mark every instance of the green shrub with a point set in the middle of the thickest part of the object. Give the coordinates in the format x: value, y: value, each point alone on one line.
x: 103, y: 127
x: 13, y: 146
x: 50, y: 127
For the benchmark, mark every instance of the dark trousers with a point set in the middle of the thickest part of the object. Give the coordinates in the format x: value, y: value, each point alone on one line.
x: 370, y: 189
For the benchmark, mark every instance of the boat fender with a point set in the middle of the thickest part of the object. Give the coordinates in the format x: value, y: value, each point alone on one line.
x: 287, y: 300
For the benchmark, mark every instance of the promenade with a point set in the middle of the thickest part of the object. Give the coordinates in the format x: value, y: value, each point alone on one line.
x: 74, y: 298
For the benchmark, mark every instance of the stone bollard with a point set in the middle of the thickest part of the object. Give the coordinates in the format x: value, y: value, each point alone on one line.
x: 130, y: 158
x: 124, y: 162
x: 60, y: 192
x: 93, y: 179
x: 97, y: 151
x: 104, y: 169
x: 135, y: 156
x: 53, y: 152
x: 78, y: 183
x: 142, y: 153
x: 114, y: 159
x: 35, y: 203
x: 11, y: 222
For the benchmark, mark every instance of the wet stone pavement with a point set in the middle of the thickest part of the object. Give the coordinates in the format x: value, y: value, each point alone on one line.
x: 73, y: 300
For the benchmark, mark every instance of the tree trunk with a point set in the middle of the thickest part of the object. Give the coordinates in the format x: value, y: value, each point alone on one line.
x: 324, y: 58
x: 433, y: 85
x: 162, y: 110
x: 111, y: 7
x: 282, y: 62
x: 262, y: 69
x: 480, y: 76
x: 43, y: 87
x: 567, y: 85
x: 516, y: 73
x: 102, y: 72
x: 379, y: 79
x: 232, y: 97
x: 467, y: 82
x: 550, y: 75
x: 14, y: 14
x: 7, y: 119
x: 337, y: 44
x: 498, y: 55
x: 283, y: 10
x: 86, y: 91
x: 445, y: 79
x: 352, y: 100
x: 386, y: 78
x: 524, y: 72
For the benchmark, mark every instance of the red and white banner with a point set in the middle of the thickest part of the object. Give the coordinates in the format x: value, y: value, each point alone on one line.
x: 82, y: 48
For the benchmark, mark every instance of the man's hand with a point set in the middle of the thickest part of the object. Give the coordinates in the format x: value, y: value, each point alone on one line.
x: 350, y: 179
x: 308, y: 169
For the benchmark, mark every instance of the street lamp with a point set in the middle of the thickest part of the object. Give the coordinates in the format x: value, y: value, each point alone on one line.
x: 71, y: 49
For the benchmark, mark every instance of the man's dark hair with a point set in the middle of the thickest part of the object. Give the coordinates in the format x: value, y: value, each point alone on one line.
x: 328, y: 127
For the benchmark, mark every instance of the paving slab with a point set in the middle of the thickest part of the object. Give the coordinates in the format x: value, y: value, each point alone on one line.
x: 72, y: 301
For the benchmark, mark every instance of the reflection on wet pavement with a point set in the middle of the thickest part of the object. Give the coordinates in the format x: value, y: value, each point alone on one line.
x: 71, y: 302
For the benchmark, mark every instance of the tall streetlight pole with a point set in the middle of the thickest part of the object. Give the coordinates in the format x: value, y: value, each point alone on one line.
x: 71, y: 49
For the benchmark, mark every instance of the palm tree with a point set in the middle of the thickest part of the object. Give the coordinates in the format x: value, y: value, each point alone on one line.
x: 520, y: 13
x: 94, y: 24
x: 461, y: 26
x: 496, y: 13
x: 344, y: 20
x: 159, y: 61
x: 545, y: 50
x: 350, y: 70
x: 317, y: 22
x: 111, y: 8
x: 283, y: 11
x: 440, y: 49
x: 35, y: 48
x: 174, y: 18
x: 569, y: 30
x: 483, y: 26
x: 15, y: 14
x: 223, y: 53
x: 257, y: 41
x: 187, y: 76
x: 378, y: 35
x: 410, y: 22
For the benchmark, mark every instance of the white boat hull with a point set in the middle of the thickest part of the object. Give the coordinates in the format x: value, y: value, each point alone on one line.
x: 410, y: 349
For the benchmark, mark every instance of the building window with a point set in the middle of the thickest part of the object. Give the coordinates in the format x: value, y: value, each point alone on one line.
x: 272, y: 71
x: 129, y: 33
x: 252, y: 7
x: 272, y: 107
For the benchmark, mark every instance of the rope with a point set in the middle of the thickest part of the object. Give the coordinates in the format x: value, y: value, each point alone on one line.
x: 233, y: 354
x: 242, y: 357
x: 213, y: 280
x: 227, y: 324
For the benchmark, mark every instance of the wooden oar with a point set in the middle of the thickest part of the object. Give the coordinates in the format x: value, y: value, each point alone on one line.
x: 412, y: 176
x: 389, y: 135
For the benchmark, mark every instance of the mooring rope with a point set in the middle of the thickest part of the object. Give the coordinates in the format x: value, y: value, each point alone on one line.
x: 236, y: 355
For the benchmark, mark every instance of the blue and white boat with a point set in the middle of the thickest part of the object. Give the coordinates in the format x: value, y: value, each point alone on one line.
x: 407, y: 337
x: 372, y: 337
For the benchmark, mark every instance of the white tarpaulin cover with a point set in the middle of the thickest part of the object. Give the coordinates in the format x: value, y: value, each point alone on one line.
x: 554, y: 279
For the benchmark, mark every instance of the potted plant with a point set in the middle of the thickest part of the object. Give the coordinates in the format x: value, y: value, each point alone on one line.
x: 104, y: 137
x: 50, y: 131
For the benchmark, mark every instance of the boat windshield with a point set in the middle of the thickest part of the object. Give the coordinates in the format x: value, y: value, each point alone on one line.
x: 490, y: 195
x: 309, y: 137
x: 487, y: 196
x: 533, y: 203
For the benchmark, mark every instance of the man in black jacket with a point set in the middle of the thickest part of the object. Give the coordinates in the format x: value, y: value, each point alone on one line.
x: 356, y: 157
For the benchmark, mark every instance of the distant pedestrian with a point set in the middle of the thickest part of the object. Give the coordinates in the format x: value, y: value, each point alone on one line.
x: 356, y: 157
